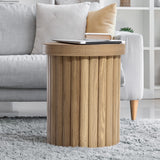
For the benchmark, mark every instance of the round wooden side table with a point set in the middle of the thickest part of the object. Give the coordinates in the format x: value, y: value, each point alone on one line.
x: 83, y: 94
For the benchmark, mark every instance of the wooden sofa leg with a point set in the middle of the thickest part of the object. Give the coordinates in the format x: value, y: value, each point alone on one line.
x: 134, y: 107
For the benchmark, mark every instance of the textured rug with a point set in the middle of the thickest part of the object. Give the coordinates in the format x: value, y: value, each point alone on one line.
x: 25, y: 139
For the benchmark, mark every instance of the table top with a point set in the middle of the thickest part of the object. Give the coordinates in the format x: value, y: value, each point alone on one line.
x: 64, y: 49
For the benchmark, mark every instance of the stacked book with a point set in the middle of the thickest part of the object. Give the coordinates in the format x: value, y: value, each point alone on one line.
x: 92, y: 38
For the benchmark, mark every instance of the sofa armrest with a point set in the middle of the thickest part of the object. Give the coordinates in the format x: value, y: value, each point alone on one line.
x: 132, y: 63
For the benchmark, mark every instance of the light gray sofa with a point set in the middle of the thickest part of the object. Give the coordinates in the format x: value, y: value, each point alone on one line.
x: 23, y: 76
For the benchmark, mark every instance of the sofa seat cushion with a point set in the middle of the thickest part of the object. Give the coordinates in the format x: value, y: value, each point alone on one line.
x: 23, y: 71
x: 27, y: 72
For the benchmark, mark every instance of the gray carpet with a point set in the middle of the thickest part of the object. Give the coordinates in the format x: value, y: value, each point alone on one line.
x: 25, y: 139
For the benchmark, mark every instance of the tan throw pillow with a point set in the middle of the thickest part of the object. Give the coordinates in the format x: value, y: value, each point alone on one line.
x: 103, y: 20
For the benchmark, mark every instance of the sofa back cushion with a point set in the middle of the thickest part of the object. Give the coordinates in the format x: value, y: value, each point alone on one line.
x: 59, y: 2
x: 17, y: 29
x: 95, y: 4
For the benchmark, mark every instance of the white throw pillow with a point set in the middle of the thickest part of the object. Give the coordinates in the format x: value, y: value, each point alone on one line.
x: 59, y: 22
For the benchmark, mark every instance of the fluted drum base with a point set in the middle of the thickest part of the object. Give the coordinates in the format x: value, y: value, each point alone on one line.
x: 83, y: 100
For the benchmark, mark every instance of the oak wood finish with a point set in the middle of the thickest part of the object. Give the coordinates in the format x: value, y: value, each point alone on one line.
x: 84, y: 81
x: 75, y: 90
x: 58, y: 92
x: 62, y: 49
x: 134, y: 107
x: 102, y: 101
x: 51, y: 120
x: 83, y: 99
x: 49, y: 102
x: 66, y: 100
x: 116, y: 70
x: 93, y: 101
x: 118, y: 105
x: 109, y: 100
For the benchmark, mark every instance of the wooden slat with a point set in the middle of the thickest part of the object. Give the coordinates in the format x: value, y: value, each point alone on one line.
x: 102, y: 102
x: 66, y: 101
x: 62, y: 49
x: 75, y: 95
x: 52, y: 100
x: 58, y: 101
x: 51, y: 93
x: 118, y: 98
x: 93, y: 101
x: 115, y: 99
x: 84, y: 101
x: 48, y: 101
x: 109, y: 100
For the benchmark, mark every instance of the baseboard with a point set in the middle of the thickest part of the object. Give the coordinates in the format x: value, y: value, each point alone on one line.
x: 36, y: 109
x: 23, y: 109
